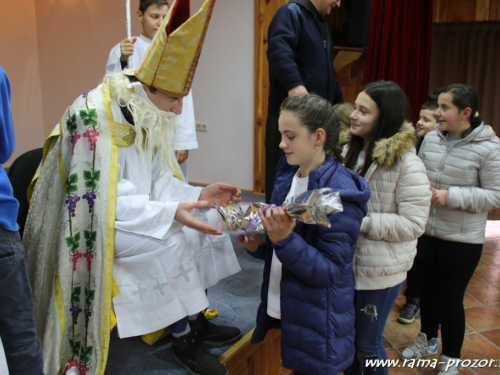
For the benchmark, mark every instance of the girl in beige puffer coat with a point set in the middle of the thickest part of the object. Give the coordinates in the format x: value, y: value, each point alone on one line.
x: 462, y: 158
x: 382, y: 150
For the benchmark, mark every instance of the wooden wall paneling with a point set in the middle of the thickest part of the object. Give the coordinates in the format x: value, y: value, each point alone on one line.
x: 440, y: 8
x: 264, y: 12
x: 495, y: 10
x: 350, y: 64
x: 466, y: 10
x: 483, y: 10
x: 461, y: 11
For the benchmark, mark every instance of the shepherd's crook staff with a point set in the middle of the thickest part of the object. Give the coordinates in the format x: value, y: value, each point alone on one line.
x: 129, y: 30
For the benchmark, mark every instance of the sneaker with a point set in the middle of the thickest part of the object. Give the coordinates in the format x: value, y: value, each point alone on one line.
x: 192, y: 355
x: 214, y: 335
x: 420, y: 348
x: 443, y: 363
x: 409, y: 310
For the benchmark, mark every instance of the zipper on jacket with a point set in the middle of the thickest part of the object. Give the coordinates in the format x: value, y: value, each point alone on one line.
x: 440, y: 173
x: 438, y: 186
x: 440, y: 170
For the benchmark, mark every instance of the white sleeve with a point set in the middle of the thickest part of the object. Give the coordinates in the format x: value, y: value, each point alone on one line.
x: 168, y: 188
x: 185, y: 135
x: 114, y: 64
x: 151, y: 216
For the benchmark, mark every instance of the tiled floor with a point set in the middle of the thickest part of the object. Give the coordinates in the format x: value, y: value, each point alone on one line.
x: 482, y: 310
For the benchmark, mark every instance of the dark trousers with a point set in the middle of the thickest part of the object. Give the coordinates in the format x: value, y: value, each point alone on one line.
x: 415, y: 278
x: 449, y: 267
x: 273, y: 153
x: 17, y: 325
x: 180, y: 325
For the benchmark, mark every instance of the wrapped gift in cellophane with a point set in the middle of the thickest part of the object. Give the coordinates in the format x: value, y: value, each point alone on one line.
x: 310, y: 207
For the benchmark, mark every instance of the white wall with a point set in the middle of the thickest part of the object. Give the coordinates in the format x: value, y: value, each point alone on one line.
x: 74, y: 40
x: 54, y: 50
x: 223, y: 96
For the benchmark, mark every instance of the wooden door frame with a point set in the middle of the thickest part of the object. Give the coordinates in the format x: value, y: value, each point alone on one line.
x: 264, y: 12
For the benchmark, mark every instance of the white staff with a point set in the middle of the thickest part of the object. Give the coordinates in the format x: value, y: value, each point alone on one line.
x: 129, y: 28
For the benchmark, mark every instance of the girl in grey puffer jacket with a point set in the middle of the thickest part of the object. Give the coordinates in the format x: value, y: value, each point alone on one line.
x: 462, y: 158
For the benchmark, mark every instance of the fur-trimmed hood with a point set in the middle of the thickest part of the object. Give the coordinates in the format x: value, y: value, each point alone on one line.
x: 397, y: 212
x: 388, y: 151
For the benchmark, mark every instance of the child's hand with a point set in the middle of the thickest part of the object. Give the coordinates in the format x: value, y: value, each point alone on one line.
x: 127, y: 48
x: 277, y: 223
x: 439, y: 197
x: 181, y: 156
x: 253, y: 242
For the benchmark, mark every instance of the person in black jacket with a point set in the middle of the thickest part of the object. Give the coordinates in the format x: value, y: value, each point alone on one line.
x: 300, y: 55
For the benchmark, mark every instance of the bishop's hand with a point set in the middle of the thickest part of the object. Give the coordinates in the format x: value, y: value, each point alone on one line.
x: 220, y: 193
x: 185, y: 216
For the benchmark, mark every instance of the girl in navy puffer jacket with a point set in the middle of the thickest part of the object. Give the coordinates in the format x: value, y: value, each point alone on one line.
x: 308, y: 287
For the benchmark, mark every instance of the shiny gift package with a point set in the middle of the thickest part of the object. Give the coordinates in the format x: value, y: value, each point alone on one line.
x: 310, y: 207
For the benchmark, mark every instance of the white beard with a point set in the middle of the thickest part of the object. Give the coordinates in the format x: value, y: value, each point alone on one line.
x: 153, y: 126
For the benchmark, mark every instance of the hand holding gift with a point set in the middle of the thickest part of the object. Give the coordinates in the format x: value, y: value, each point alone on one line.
x: 310, y: 207
x: 277, y: 223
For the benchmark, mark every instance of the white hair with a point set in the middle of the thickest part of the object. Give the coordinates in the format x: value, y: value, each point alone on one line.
x: 153, y: 126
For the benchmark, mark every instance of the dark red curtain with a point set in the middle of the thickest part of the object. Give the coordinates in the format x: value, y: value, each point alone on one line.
x: 399, y: 47
x: 469, y: 53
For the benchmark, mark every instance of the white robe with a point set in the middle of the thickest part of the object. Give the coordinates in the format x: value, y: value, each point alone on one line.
x: 185, y: 136
x: 3, y: 361
x: 161, y: 268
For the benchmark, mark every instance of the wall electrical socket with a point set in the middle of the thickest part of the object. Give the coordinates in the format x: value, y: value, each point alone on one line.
x: 201, y: 127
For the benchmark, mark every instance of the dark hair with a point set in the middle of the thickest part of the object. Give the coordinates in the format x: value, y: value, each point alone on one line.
x: 393, y: 111
x: 433, y: 96
x: 432, y: 101
x: 315, y: 112
x: 465, y: 96
x: 145, y: 4
x: 430, y: 105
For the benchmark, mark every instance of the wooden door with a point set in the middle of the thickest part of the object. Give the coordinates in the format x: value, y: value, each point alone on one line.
x: 264, y: 12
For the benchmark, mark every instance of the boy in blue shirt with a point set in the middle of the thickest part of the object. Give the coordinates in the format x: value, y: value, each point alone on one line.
x: 23, y: 350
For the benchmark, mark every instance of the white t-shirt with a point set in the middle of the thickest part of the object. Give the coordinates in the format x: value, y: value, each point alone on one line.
x: 299, y: 185
x: 361, y: 161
